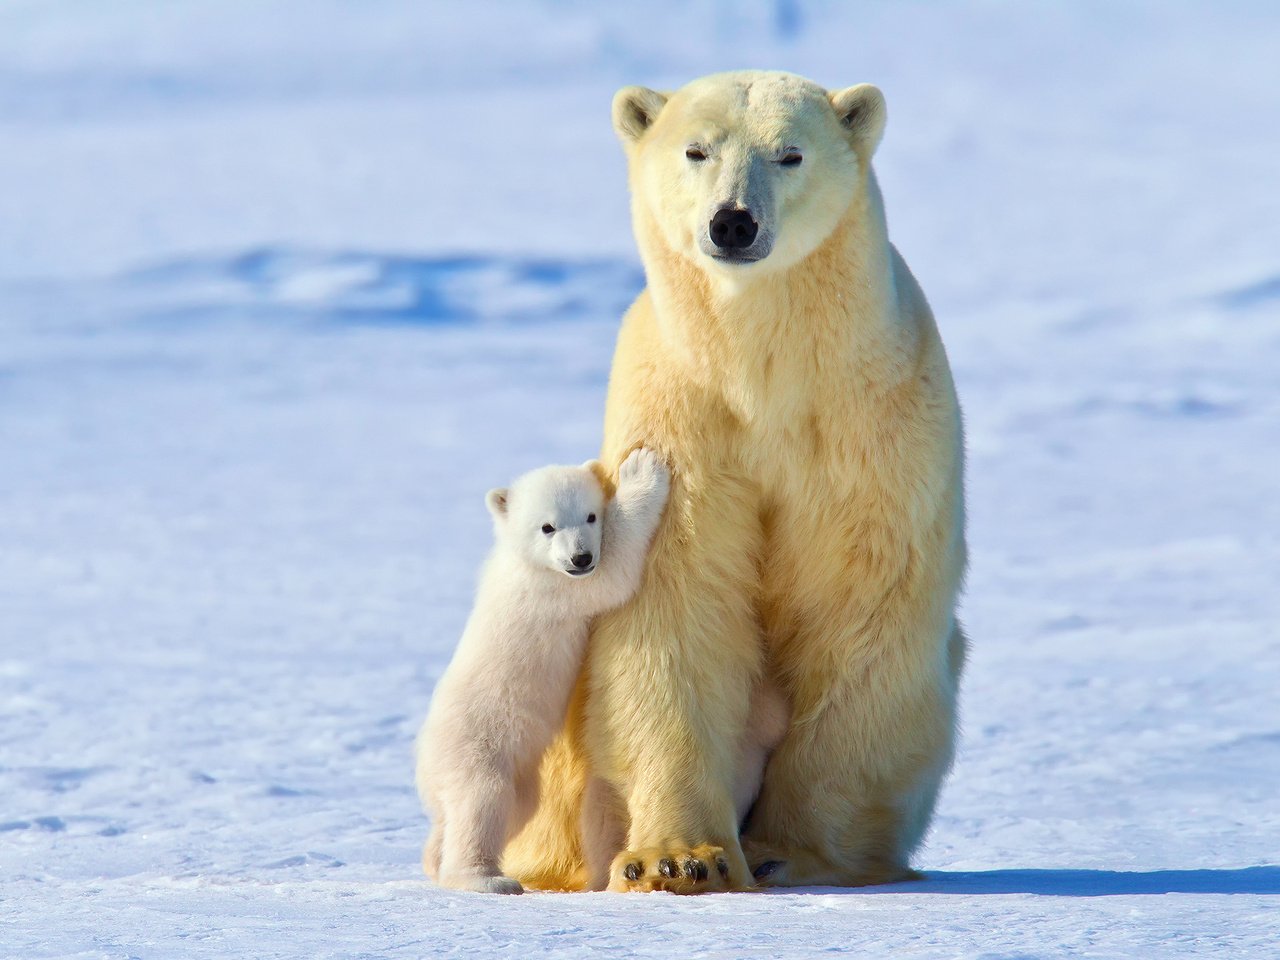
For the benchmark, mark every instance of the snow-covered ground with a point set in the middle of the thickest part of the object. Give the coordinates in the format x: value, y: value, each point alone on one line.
x: 284, y: 287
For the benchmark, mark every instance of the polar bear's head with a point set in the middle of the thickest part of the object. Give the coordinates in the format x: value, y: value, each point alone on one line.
x: 551, y: 518
x: 749, y: 171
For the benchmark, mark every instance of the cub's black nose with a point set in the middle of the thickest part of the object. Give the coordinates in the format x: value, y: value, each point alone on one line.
x: 733, y: 229
x: 581, y: 560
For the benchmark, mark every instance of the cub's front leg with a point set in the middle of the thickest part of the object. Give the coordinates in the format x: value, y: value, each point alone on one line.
x: 631, y: 519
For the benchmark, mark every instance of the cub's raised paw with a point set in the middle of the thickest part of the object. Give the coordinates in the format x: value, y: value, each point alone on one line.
x: 701, y: 869
x: 643, y: 470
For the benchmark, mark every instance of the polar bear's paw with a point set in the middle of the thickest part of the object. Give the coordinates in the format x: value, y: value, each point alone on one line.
x: 772, y: 867
x: 675, y: 869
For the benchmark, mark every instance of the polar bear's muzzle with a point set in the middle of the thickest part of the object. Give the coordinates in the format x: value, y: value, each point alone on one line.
x: 734, y: 236
x: 733, y: 230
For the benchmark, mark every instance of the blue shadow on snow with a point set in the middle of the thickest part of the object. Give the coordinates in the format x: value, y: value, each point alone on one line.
x: 365, y: 287
x: 1262, y: 880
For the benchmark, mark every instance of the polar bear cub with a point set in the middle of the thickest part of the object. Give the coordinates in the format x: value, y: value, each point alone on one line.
x: 564, y: 552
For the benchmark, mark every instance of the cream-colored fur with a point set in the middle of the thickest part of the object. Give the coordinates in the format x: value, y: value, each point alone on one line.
x: 562, y: 555
x: 604, y: 816
x: 815, y: 533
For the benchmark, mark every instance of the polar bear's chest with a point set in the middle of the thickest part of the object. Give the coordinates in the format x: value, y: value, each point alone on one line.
x: 853, y: 476
x: 816, y: 450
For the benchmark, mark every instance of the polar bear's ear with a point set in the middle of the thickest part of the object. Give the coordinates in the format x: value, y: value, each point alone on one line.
x: 496, y: 501
x: 601, y: 473
x: 634, y: 110
x: 862, y: 112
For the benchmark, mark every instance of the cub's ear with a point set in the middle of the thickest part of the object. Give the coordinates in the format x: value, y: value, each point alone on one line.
x: 601, y: 473
x: 862, y: 112
x: 496, y: 501
x: 634, y: 110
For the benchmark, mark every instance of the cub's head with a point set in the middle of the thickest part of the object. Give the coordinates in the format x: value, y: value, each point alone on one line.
x: 747, y: 171
x: 552, y: 517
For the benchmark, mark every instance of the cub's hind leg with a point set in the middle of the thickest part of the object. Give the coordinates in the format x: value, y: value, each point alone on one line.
x: 431, y: 851
x: 478, y: 823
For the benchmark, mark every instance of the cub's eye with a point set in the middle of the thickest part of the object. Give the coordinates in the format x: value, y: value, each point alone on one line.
x: 696, y: 155
x: 548, y: 528
x: 791, y: 160
x: 591, y: 518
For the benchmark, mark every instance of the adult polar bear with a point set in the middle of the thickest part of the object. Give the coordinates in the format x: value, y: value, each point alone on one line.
x: 784, y: 361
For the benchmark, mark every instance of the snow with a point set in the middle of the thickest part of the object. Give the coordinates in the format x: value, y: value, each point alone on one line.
x: 285, y: 287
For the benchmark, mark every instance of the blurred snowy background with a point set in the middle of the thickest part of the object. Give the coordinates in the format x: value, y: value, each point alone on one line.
x: 285, y: 286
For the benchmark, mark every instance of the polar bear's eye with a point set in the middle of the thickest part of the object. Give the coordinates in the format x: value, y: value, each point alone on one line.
x: 591, y: 518
x: 791, y: 160
x: 548, y: 529
x: 696, y: 155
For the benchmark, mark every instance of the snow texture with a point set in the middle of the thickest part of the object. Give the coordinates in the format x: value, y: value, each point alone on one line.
x: 285, y: 287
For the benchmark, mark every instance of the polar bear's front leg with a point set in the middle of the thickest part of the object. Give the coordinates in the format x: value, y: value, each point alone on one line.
x: 671, y: 675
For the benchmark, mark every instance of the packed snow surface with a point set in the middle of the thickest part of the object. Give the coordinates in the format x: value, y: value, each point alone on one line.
x: 285, y: 287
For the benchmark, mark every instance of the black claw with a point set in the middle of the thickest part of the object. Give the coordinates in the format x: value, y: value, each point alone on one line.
x: 632, y: 871
x: 722, y: 866
x: 695, y: 869
x: 766, y: 869
x: 668, y: 868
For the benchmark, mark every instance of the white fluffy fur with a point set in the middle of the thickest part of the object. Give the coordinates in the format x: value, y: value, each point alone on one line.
x: 505, y: 694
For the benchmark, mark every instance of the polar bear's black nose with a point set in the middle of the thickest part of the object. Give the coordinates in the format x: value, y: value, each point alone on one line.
x: 581, y: 560
x: 733, y: 229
